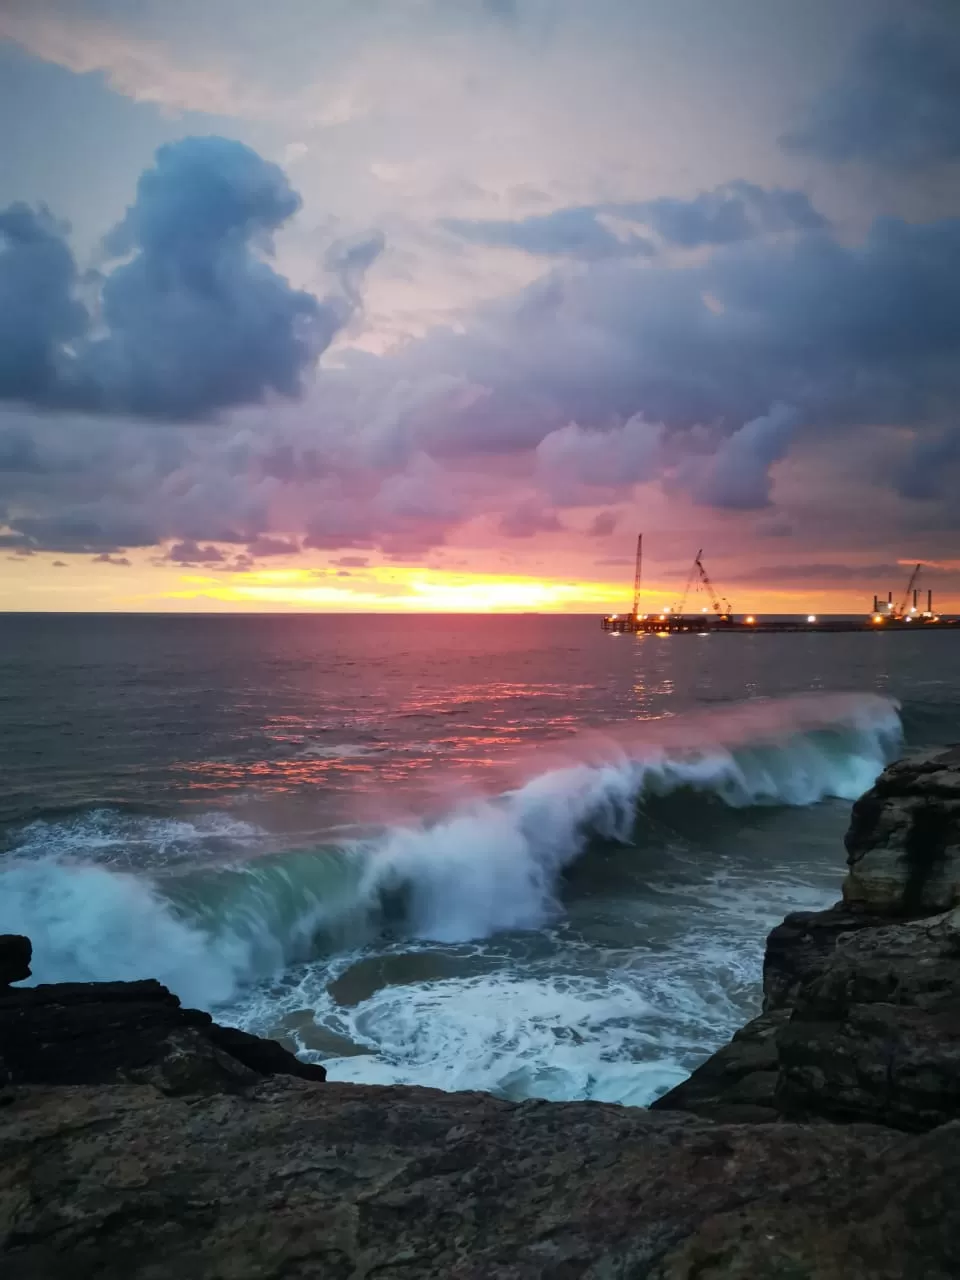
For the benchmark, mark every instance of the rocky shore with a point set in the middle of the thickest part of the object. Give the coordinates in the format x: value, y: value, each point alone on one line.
x: 141, y: 1140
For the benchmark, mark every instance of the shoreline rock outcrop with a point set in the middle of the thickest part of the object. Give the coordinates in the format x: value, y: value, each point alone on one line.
x: 139, y: 1140
x: 93, y: 1033
x: 861, y: 1016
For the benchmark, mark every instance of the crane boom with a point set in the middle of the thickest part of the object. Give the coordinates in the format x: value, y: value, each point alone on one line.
x: 636, y: 577
x: 906, y: 595
x: 681, y: 608
x: 708, y: 586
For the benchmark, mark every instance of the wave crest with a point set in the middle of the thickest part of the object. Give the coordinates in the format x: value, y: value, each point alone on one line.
x: 491, y: 865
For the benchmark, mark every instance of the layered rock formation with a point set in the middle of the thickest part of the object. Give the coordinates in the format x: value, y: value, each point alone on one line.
x: 861, y: 1013
x: 139, y: 1141
x: 903, y: 846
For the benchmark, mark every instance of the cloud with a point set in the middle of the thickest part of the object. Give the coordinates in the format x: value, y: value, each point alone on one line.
x: 527, y: 519
x: 192, y: 320
x: 267, y: 546
x: 737, y: 475
x: 106, y: 558
x: 603, y: 524
x: 90, y: 528
x: 142, y: 69
x: 897, y: 103
x: 876, y: 576
x: 38, y: 312
x: 576, y: 456
x: 574, y: 233
x: 350, y: 260
x: 602, y: 376
x: 191, y: 553
x: 847, y: 333
x: 734, y: 211
x: 60, y: 564
x: 591, y: 233
x: 933, y: 468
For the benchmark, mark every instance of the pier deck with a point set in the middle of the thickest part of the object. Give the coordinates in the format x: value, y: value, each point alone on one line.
x: 675, y: 625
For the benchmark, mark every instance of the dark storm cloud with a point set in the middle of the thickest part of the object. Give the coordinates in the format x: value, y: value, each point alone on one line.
x: 591, y: 233
x: 897, y: 104
x: 38, y: 312
x: 933, y: 468
x: 19, y: 452
x: 735, y: 211
x: 846, y: 334
x: 91, y: 529
x: 193, y: 320
x: 189, y: 552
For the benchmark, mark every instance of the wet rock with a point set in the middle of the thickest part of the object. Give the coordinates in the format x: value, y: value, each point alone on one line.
x: 800, y: 948
x: 876, y: 1037
x: 15, y: 955
x: 348, y: 1181
x: 102, y: 1032
x: 738, y: 1082
x: 903, y: 844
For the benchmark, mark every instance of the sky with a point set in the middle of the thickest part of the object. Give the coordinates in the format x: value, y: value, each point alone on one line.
x: 435, y: 304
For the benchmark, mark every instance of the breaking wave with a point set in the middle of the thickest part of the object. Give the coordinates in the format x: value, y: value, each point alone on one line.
x: 208, y: 927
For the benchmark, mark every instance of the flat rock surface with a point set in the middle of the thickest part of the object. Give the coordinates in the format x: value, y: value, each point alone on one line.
x: 346, y: 1182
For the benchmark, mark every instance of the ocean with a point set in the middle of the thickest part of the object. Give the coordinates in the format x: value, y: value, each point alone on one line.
x: 508, y: 853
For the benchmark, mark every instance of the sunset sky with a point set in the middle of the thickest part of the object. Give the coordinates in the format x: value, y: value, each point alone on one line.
x: 435, y: 304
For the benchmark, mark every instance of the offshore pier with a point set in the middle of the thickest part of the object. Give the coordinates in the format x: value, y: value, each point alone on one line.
x: 906, y: 614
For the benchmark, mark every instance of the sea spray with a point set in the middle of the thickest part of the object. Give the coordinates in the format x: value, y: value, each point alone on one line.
x: 491, y: 865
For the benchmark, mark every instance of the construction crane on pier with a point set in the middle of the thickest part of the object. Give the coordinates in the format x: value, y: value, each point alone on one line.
x: 720, y: 607
x: 681, y: 608
x: 903, y: 607
x: 636, y: 578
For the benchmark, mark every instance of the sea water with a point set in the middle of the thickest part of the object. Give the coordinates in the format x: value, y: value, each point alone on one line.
x: 513, y: 854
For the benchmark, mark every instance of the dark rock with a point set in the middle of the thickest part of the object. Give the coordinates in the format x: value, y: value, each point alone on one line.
x: 738, y: 1082
x: 876, y: 1036
x: 102, y: 1032
x: 800, y: 948
x: 15, y: 955
x: 285, y: 1180
x: 903, y: 845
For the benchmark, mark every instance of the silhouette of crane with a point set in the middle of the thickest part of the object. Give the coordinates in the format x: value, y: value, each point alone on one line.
x: 720, y: 607
x: 901, y: 608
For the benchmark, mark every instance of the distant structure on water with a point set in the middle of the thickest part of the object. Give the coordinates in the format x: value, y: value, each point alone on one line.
x: 718, y: 614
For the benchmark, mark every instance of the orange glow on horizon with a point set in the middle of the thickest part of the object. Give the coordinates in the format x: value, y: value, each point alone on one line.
x: 400, y: 589
x: 78, y: 583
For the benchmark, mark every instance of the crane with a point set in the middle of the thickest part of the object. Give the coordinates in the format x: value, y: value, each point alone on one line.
x: 636, y: 578
x: 901, y: 608
x: 681, y: 607
x: 721, y: 609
